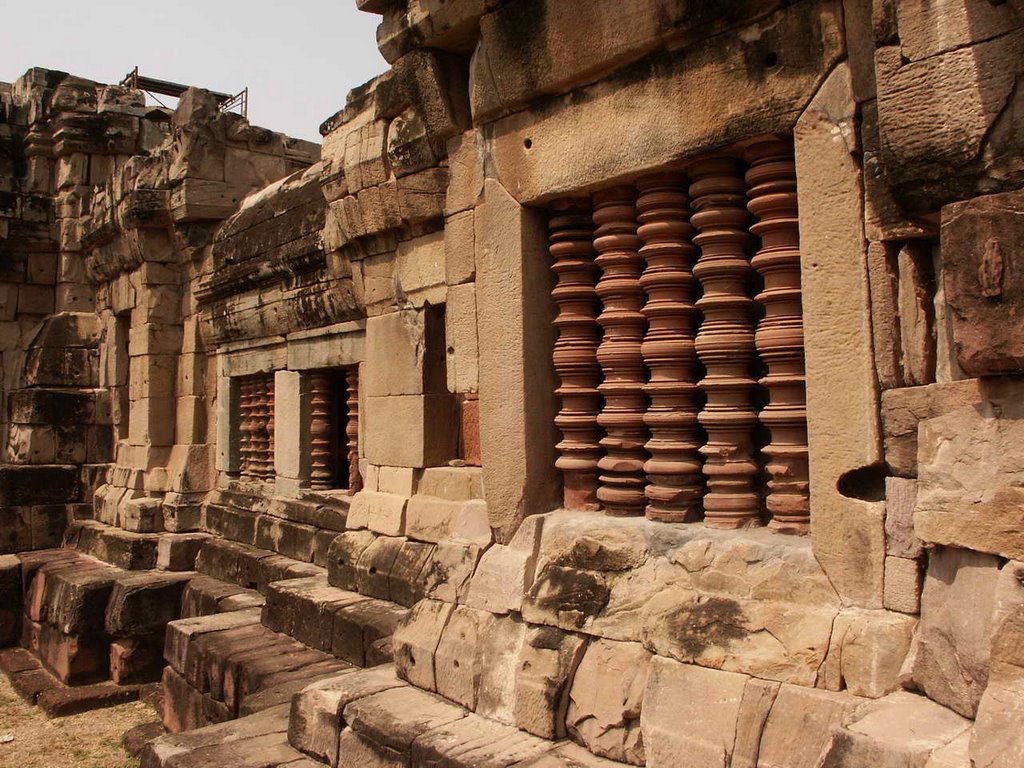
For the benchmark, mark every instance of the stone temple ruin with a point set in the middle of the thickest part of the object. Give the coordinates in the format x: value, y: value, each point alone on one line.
x: 630, y: 382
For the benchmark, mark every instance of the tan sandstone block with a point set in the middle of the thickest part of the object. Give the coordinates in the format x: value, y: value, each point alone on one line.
x: 424, y: 426
x: 463, y: 350
x: 606, y: 698
x: 799, y: 727
x: 873, y: 651
x: 970, y: 478
x: 848, y: 533
x: 951, y: 664
x: 416, y: 641
x: 516, y: 379
x: 707, y: 700
x: 465, y: 175
x: 420, y: 269
x: 902, y: 585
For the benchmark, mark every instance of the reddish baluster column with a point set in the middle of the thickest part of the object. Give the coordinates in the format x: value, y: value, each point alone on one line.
x: 355, y: 480
x: 321, y: 431
x: 780, y: 335
x: 725, y: 342
x: 575, y: 354
x: 259, y: 426
x: 269, y: 470
x: 245, y: 426
x: 676, y: 483
x: 622, y: 467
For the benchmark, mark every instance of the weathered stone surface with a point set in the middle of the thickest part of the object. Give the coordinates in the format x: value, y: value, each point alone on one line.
x: 606, y: 698
x: 548, y: 660
x: 902, y: 585
x: 416, y: 641
x: 799, y: 727
x: 873, y: 650
x: 516, y: 427
x: 585, y: 141
x: 474, y: 740
x: 900, y: 729
x: 905, y: 408
x: 900, y: 498
x: 707, y: 700
x: 951, y: 664
x: 315, y: 720
x: 970, y: 481
x: 848, y: 534
x: 957, y: 144
x: 457, y: 662
x: 397, y: 717
x: 143, y: 603
x: 996, y: 739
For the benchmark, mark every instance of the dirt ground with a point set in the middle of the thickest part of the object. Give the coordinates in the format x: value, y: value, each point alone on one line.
x: 89, y: 740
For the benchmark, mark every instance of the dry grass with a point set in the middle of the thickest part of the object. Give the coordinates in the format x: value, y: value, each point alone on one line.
x: 89, y: 740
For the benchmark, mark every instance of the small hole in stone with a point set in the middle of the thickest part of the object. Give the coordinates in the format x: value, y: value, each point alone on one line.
x: 372, y: 570
x: 528, y: 143
x: 771, y: 59
x: 455, y: 663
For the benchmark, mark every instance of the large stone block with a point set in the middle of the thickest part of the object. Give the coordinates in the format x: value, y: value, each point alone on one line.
x: 905, y: 408
x: 900, y: 730
x: 706, y: 700
x: 516, y: 378
x: 970, y: 479
x: 606, y: 699
x: 23, y: 485
x: 965, y: 101
x: 461, y: 335
x: 983, y: 276
x: 416, y: 642
x: 798, y: 729
x: 652, y: 113
x: 951, y: 664
x: 422, y: 432
x: 848, y: 533
x: 404, y: 354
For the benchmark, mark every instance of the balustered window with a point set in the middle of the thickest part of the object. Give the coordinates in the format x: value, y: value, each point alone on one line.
x: 256, y: 425
x: 334, y: 429
x: 680, y: 344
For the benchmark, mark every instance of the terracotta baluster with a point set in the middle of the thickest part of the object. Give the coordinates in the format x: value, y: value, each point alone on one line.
x: 245, y: 426
x: 321, y: 430
x: 259, y: 430
x: 725, y: 342
x: 269, y: 470
x: 575, y: 353
x: 622, y: 467
x: 355, y: 480
x: 780, y: 335
x: 676, y: 483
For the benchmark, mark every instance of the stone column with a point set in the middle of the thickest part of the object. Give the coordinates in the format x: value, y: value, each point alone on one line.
x: 622, y: 467
x: 575, y: 354
x: 321, y: 431
x: 676, y: 483
x: 780, y: 335
x: 355, y: 480
x: 725, y: 342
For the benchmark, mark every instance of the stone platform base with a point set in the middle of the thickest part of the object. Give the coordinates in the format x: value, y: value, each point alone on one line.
x: 37, y: 686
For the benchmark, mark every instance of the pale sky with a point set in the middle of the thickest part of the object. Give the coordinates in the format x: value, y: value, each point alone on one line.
x: 299, y: 59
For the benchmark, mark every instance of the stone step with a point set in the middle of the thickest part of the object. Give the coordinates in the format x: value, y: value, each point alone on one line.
x: 135, y: 551
x: 87, y: 620
x: 37, y: 686
x: 370, y: 717
x: 205, y: 595
x: 227, y: 664
x: 247, y: 566
x: 346, y: 624
x: 256, y: 741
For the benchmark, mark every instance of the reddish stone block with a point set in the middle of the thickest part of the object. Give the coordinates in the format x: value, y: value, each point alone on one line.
x: 983, y: 277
